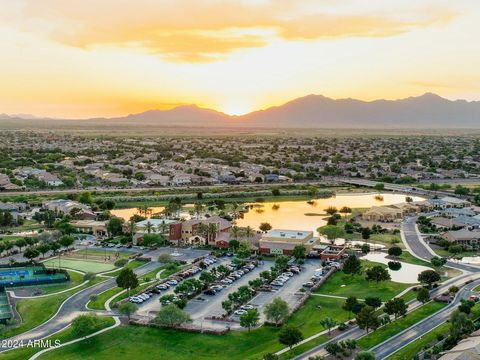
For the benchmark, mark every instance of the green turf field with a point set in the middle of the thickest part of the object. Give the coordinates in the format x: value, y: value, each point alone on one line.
x: 80, y: 265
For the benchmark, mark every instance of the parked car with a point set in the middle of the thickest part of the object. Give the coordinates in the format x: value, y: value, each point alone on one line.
x: 210, y: 292
x: 240, y: 312
x: 308, y: 284
x: 172, y: 282
x: 247, y: 307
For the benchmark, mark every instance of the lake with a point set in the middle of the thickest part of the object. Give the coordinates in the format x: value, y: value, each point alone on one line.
x: 298, y: 214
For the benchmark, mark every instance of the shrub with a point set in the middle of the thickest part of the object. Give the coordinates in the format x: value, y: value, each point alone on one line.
x: 88, y: 276
x: 121, y: 262
x: 394, y: 265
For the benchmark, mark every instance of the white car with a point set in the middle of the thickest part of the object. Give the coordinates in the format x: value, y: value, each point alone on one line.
x: 246, y: 307
x: 276, y: 283
x: 172, y: 282
x: 226, y: 281
x: 288, y: 273
x: 240, y: 312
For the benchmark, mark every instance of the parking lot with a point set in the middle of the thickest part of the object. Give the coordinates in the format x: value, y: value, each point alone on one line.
x: 211, y: 305
x: 288, y: 292
x: 205, y: 306
x: 152, y: 305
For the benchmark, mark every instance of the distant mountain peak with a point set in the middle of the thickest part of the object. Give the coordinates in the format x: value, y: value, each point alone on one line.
x: 318, y: 111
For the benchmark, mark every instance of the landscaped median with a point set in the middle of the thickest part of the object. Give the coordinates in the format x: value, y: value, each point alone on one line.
x: 61, y: 337
x: 166, y: 270
x: 387, y: 331
x: 36, y: 311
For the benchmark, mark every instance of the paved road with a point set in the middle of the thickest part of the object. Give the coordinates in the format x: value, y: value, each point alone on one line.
x: 395, y: 343
x: 416, y: 244
x: 71, y: 308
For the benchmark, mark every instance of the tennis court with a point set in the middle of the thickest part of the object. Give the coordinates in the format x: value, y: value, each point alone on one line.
x: 29, y: 275
x: 80, y: 265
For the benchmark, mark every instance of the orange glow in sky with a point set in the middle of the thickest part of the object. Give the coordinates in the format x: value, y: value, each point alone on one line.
x: 92, y: 58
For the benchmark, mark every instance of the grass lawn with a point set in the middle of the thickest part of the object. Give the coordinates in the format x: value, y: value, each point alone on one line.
x: 131, y: 265
x: 397, y: 326
x: 315, y: 309
x: 341, y: 284
x: 302, y: 348
x: 99, y: 303
x: 408, y: 352
x: 75, y: 279
x: 36, y: 311
x: 139, y: 343
x: 409, y: 258
x: 446, y: 253
x: 81, y: 265
x: 63, y: 336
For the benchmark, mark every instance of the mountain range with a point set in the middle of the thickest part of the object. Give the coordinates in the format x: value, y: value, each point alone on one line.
x: 313, y: 111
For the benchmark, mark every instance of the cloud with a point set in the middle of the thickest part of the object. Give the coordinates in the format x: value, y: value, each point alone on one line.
x: 208, y: 30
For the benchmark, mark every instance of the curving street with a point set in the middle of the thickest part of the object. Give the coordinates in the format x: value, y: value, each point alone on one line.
x: 415, y: 243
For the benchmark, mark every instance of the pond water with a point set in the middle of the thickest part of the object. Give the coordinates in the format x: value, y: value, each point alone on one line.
x: 295, y: 215
x: 407, y: 274
x: 127, y: 213
x: 300, y: 215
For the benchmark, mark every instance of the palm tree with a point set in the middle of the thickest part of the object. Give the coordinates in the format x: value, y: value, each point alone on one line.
x: 198, y: 209
x: 345, y: 210
x: 235, y: 207
x: 202, y: 230
x: 149, y: 227
x: 328, y: 323
x: 132, y: 227
x: 235, y: 232
x: 162, y: 227
x: 212, y: 232
x: 249, y: 232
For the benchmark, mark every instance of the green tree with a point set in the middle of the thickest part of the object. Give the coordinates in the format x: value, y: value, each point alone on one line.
x: 366, y: 319
x: 328, y: 323
x: 172, y: 316
x: 438, y: 261
x: 249, y: 319
x: 395, y: 251
x: 373, y: 301
x: 127, y: 309
x: 352, y: 265
x: 277, y: 311
x: 85, y: 198
x: 299, y: 252
x: 460, y: 324
x: 377, y: 273
x: 332, y: 232
x: 331, y: 210
x: 265, y: 226
x: 31, y: 253
x: 84, y: 325
x: 333, y: 348
x: 127, y: 279
x: 350, y: 303
x: 43, y: 248
x: 20, y: 243
x: 423, y: 295
x: 289, y: 336
x: 428, y: 277
x: 115, y: 226
x: 66, y: 240
x: 395, y: 307
x: 227, y: 305
x: 345, y: 210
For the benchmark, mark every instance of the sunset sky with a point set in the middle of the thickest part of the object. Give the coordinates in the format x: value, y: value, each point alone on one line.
x: 88, y: 58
